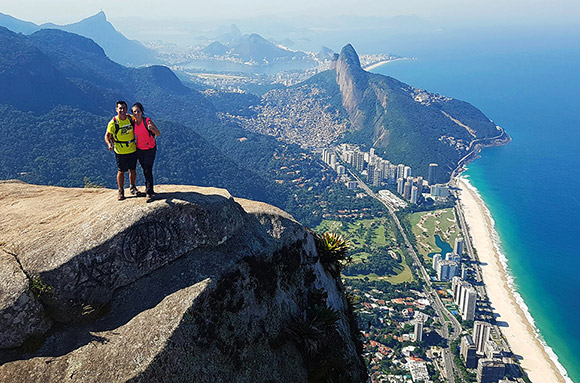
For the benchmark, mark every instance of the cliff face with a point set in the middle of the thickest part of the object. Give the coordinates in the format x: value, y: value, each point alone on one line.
x: 352, y: 81
x: 196, y: 286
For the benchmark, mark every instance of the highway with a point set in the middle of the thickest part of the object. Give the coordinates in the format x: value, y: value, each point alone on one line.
x: 438, y: 305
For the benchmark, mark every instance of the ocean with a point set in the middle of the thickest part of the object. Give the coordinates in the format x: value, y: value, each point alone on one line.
x: 529, y: 84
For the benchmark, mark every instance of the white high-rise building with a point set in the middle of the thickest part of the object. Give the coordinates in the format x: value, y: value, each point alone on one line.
x: 481, y: 334
x: 407, y: 172
x: 400, y: 171
x: 400, y: 185
x: 436, y: 260
x: 414, y: 194
x: 468, y: 304
x: 340, y: 170
x: 418, y: 330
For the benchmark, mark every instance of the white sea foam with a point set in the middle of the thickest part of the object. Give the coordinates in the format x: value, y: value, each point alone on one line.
x: 512, y: 284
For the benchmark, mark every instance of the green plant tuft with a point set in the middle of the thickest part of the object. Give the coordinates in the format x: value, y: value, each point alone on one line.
x: 309, y: 331
x: 333, y: 251
x: 39, y: 288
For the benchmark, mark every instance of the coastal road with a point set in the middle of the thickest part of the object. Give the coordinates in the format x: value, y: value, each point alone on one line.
x: 438, y: 305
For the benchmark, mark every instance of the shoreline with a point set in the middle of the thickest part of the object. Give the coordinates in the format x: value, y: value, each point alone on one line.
x: 383, y: 62
x: 536, y: 358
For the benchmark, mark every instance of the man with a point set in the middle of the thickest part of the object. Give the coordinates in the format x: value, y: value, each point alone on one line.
x: 120, y: 136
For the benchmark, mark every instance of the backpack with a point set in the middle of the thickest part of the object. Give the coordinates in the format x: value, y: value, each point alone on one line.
x: 117, y: 128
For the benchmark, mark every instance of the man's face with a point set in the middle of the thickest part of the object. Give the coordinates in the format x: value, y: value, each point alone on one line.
x: 121, y: 110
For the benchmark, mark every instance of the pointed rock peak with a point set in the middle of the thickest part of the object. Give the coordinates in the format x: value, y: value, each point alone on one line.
x: 235, y: 31
x: 349, y: 57
x: 99, y: 16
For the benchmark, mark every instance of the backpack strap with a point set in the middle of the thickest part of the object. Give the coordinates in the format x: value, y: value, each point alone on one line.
x: 117, y: 128
x: 145, y: 122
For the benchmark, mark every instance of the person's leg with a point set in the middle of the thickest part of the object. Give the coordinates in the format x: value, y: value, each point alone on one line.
x: 121, y: 179
x: 121, y: 169
x: 132, y: 177
x: 132, y: 164
x: 147, y: 159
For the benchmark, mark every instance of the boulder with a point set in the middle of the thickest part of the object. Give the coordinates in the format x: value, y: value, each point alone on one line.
x: 196, y: 286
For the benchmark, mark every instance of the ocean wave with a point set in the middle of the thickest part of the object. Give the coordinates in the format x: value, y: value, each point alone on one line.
x: 513, y: 285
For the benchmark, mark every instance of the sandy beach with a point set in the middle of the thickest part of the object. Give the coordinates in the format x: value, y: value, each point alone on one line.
x: 518, y: 331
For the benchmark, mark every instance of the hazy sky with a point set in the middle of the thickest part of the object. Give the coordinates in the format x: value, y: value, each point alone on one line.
x: 166, y: 11
x: 333, y: 23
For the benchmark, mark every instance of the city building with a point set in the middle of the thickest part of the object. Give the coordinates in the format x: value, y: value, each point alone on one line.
x: 414, y: 195
x: 439, y: 191
x: 468, y: 352
x: 370, y: 172
x: 432, y: 177
x: 340, y: 170
x: 447, y: 270
x: 436, y: 260
x: 419, y: 184
x: 458, y: 248
x: 490, y: 370
x: 351, y: 185
x: 481, y: 334
x: 407, y: 172
x: 400, y: 185
x: 492, y: 350
x: 407, y: 189
x: 463, y: 272
x: 400, y: 171
x: 468, y: 304
x: 452, y: 257
x: 455, y: 282
x: 418, y: 330
x: 418, y: 370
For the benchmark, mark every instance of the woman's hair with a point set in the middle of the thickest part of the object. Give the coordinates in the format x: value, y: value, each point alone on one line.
x: 139, y: 105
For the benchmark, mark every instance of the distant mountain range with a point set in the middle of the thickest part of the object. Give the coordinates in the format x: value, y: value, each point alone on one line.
x: 62, y: 94
x: 115, y: 44
x: 253, y: 48
x: 63, y: 88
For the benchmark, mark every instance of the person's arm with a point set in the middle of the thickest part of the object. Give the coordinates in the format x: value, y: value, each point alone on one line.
x: 109, y: 139
x: 152, y: 127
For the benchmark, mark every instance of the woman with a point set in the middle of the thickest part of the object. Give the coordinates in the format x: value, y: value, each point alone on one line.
x: 145, y: 133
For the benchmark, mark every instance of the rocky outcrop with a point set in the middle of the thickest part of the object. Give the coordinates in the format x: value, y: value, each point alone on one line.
x: 196, y: 286
x: 352, y: 81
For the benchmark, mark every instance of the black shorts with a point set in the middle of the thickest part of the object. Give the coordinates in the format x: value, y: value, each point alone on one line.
x: 126, y: 161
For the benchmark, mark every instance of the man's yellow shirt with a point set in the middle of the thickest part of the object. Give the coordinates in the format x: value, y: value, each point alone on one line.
x: 124, y: 135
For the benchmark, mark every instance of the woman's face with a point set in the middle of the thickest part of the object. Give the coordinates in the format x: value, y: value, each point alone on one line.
x: 136, y: 112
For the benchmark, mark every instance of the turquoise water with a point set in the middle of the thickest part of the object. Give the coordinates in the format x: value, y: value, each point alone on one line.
x: 443, y: 246
x: 530, y: 86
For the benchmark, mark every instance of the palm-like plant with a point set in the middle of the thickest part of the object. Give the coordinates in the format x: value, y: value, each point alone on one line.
x: 333, y: 251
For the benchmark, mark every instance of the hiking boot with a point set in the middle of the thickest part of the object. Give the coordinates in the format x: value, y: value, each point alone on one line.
x: 121, y: 195
x: 134, y: 191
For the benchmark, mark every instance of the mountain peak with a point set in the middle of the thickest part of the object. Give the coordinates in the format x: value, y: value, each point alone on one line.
x: 349, y: 56
x: 100, y: 16
x: 353, y: 81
